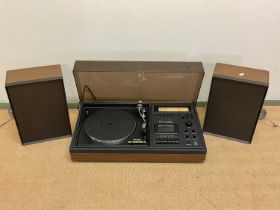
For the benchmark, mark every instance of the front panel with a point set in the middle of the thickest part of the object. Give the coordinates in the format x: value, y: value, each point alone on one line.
x: 233, y: 108
x: 40, y: 110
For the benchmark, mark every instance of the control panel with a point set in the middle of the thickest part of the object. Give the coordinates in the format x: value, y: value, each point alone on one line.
x: 175, y: 127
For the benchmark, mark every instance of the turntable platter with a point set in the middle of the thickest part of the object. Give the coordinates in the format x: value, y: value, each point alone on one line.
x: 110, y: 126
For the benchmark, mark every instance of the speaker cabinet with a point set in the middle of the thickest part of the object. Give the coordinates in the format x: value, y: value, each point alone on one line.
x: 235, y: 101
x: 38, y: 101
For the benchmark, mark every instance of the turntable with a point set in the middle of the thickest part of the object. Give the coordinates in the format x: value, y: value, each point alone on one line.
x: 115, y: 125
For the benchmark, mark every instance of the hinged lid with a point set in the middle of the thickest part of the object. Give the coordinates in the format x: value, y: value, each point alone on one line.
x: 33, y: 74
x: 239, y: 73
x: 131, y: 81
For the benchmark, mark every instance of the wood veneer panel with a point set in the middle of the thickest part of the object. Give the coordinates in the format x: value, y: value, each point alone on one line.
x: 137, y: 157
x: 239, y: 73
x: 27, y: 75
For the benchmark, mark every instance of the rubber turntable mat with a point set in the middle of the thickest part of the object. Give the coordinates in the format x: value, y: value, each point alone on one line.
x: 110, y: 126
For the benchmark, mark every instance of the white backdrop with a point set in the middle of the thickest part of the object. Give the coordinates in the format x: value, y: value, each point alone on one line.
x: 241, y: 32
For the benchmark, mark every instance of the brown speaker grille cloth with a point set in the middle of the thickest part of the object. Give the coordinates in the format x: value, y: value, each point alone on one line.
x: 233, y: 108
x: 40, y: 110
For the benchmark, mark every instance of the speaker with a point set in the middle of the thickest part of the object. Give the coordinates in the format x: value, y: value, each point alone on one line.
x: 235, y: 101
x: 38, y: 102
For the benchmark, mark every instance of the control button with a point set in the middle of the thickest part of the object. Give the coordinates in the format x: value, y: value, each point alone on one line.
x: 187, y: 136
x: 188, y: 123
x: 167, y: 142
x: 195, y: 143
x: 188, y: 143
x: 194, y: 136
x: 193, y: 131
